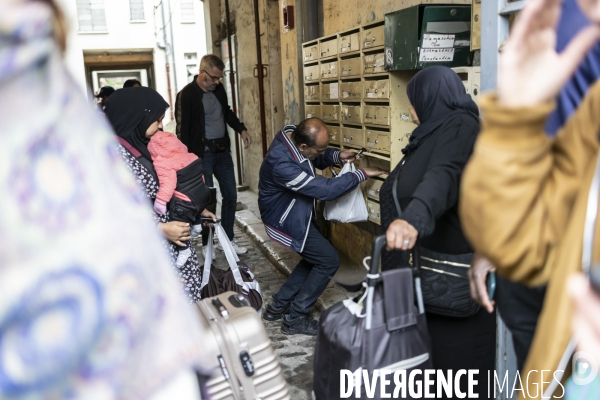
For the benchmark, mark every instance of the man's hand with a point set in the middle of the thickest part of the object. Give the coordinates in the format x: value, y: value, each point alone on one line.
x: 347, y: 156
x: 531, y: 71
x: 480, y: 268
x: 246, y: 138
x: 374, y: 171
x: 401, y: 235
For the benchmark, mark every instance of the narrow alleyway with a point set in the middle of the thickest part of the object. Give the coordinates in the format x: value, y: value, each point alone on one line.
x: 295, y: 352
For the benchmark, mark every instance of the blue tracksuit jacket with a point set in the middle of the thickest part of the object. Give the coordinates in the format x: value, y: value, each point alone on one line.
x: 288, y: 188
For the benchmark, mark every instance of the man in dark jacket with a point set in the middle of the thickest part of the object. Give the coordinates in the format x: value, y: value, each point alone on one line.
x: 202, y: 114
x: 288, y: 188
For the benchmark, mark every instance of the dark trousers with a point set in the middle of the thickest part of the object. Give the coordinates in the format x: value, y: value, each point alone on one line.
x: 309, y: 279
x: 520, y: 307
x: 464, y: 343
x: 221, y: 166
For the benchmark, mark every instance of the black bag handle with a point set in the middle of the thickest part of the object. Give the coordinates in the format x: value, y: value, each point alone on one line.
x: 378, y: 244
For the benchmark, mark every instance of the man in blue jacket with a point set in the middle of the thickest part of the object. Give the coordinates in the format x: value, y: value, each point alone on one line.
x: 288, y: 188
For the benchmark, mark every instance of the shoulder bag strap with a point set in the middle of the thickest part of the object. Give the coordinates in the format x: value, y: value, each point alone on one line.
x: 395, y: 195
x: 415, y: 252
x: 129, y: 147
x: 139, y: 156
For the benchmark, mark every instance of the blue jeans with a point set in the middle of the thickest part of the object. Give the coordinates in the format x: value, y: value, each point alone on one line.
x: 221, y: 166
x: 309, y: 279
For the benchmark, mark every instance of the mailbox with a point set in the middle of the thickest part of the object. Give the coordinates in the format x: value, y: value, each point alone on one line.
x: 330, y: 112
x: 372, y: 37
x: 374, y: 211
x: 349, y: 43
x: 334, y: 134
x: 311, y: 73
x: 351, y: 114
x: 329, y: 48
x: 329, y: 91
x: 312, y: 93
x: 378, y: 141
x: 350, y: 67
x: 353, y: 137
x: 310, y: 52
x: 312, y: 111
x: 379, y: 89
x: 329, y: 70
x: 373, y: 187
x: 351, y: 90
x: 374, y: 64
x: 422, y: 36
x: 376, y: 115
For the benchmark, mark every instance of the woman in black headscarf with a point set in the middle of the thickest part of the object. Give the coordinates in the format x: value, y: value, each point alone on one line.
x: 135, y: 116
x: 427, y: 186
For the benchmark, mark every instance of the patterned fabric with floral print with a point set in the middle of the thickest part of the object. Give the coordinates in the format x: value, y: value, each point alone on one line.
x: 89, y: 305
x: 190, y: 274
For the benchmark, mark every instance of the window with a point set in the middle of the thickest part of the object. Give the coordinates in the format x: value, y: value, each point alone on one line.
x: 187, y: 10
x: 90, y: 14
x: 191, y: 65
x: 136, y: 8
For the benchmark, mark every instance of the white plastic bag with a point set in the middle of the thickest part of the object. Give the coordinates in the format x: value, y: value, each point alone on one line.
x: 351, y: 207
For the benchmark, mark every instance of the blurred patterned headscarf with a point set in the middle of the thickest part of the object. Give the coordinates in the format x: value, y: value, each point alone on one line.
x: 89, y: 305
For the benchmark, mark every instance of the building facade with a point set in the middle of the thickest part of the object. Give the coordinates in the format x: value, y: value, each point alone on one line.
x: 160, y: 43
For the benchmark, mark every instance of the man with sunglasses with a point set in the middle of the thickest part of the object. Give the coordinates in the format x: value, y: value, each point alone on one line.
x: 202, y: 113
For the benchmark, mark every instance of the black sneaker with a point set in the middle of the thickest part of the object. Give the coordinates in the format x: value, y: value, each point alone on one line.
x: 303, y: 325
x: 273, y: 313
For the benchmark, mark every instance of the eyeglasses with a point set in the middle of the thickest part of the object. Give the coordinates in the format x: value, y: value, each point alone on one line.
x: 215, y: 79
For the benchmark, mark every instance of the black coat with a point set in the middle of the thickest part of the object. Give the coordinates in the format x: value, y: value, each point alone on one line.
x: 428, y: 188
x: 189, y: 115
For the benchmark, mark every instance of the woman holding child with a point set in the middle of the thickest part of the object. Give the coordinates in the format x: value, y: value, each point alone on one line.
x: 136, y: 115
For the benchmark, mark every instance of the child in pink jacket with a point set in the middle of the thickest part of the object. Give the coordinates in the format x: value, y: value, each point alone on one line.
x: 181, y: 184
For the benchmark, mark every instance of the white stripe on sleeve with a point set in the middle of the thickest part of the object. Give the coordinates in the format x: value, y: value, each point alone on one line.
x: 310, y: 178
x: 297, y: 180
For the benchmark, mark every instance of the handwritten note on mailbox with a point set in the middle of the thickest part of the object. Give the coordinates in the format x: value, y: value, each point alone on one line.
x: 436, y: 41
x: 436, y: 55
x: 437, y: 48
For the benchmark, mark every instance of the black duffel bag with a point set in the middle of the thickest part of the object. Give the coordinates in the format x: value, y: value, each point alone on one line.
x: 384, y: 329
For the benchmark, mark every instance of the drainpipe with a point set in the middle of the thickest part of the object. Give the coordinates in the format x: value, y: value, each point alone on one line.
x: 172, y: 47
x: 232, y: 83
x: 167, y: 61
x: 310, y: 20
x: 261, y: 89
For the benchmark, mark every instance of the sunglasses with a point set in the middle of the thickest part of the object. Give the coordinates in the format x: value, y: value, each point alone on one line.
x: 215, y: 79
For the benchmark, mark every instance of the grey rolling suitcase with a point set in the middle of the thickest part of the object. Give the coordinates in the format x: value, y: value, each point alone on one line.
x: 245, y: 365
